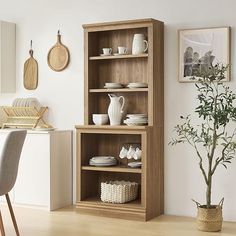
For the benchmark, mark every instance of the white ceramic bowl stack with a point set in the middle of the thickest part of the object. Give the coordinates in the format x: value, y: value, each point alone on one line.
x: 136, y: 119
x: 103, y: 161
x: 113, y: 85
x: 100, y: 119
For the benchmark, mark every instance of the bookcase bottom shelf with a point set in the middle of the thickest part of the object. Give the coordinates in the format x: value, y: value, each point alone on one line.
x: 131, y: 210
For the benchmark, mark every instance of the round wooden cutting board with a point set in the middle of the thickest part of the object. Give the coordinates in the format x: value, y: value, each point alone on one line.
x: 58, y: 55
x: 31, y: 72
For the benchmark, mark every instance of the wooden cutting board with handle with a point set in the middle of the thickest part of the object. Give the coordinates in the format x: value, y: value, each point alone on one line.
x: 58, y: 55
x: 31, y: 72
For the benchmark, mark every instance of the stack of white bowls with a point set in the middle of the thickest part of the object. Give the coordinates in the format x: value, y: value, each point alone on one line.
x: 136, y: 119
x: 102, y: 161
x: 137, y: 85
x: 113, y: 85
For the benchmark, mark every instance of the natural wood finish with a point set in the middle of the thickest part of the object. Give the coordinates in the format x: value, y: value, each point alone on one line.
x: 12, y: 214
x: 106, y: 128
x: 2, y: 230
x: 117, y: 57
x: 122, y: 90
x: 58, y: 56
x: 68, y: 221
x: 18, y: 117
x: 113, y: 169
x: 93, y: 140
x: 31, y: 72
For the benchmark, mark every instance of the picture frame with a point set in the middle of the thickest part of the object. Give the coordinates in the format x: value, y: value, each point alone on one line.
x: 202, y: 48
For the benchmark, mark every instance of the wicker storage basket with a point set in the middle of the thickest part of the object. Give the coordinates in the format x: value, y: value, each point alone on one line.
x: 119, y: 191
x: 210, y: 220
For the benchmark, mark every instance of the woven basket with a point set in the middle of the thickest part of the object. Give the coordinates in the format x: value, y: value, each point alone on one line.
x: 210, y: 220
x: 119, y: 191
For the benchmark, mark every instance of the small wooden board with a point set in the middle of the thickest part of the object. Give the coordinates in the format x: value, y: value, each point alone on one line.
x: 31, y: 73
x: 58, y: 56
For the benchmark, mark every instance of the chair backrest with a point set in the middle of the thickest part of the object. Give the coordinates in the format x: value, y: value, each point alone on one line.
x: 9, y: 160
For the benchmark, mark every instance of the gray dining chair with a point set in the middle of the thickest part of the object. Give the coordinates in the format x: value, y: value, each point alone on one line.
x: 9, y: 161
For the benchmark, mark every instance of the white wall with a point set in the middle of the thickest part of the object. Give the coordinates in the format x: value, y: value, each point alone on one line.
x: 63, y: 92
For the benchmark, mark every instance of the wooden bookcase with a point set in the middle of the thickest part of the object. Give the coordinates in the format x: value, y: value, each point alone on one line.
x: 95, y: 140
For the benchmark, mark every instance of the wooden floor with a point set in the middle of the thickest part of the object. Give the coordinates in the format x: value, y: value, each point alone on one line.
x: 67, y: 222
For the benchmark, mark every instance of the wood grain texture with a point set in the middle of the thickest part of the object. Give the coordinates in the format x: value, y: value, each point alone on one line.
x: 107, y: 140
x: 2, y: 230
x: 58, y: 56
x: 31, y: 73
x: 69, y: 221
x: 12, y: 214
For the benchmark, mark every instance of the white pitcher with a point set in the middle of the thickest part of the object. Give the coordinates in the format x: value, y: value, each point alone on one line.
x: 140, y: 45
x: 115, y: 109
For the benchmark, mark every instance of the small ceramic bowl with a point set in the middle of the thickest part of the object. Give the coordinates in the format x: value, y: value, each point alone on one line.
x: 100, y: 119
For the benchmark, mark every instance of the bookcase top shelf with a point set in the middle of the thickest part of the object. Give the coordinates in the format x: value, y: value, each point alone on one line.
x: 118, y: 57
x: 119, y: 24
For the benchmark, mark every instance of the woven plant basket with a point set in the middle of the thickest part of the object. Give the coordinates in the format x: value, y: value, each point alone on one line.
x: 119, y: 191
x: 210, y: 220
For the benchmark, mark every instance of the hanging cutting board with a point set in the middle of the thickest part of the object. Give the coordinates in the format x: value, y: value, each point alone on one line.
x: 58, y: 55
x: 31, y: 72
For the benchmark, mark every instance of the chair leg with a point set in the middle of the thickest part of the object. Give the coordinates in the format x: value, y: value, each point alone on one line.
x: 1, y: 226
x: 12, y: 214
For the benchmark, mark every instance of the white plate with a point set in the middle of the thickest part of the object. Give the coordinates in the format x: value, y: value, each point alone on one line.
x: 135, y: 164
x: 113, y: 87
x: 103, y: 159
x: 101, y: 165
x: 112, y: 84
x: 137, y: 115
x: 15, y: 102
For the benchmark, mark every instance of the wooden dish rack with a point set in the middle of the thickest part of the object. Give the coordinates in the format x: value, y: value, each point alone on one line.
x: 23, y: 117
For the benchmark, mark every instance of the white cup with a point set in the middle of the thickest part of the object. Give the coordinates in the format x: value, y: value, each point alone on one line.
x: 122, y: 50
x: 107, y: 51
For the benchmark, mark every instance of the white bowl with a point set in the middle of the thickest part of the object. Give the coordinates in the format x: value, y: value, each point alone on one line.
x: 100, y: 119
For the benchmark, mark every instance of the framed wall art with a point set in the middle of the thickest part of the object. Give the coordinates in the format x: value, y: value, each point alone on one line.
x: 201, y: 49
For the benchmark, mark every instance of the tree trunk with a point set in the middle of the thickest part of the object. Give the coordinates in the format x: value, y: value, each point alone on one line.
x: 208, y: 192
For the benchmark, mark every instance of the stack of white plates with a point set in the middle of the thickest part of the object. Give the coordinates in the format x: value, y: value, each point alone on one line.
x: 137, y: 85
x: 136, y: 119
x: 113, y: 85
x: 102, y: 161
x: 26, y: 102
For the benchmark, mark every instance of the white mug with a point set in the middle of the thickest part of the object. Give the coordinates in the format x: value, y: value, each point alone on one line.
x: 122, y: 50
x: 107, y: 51
x: 140, y: 45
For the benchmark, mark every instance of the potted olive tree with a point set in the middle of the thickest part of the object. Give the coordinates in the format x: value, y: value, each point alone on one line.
x: 213, y: 139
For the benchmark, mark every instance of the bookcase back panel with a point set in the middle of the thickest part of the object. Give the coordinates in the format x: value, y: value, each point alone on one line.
x: 91, y: 183
x: 121, y: 71
x: 105, y: 145
x: 135, y: 103
x: 112, y: 39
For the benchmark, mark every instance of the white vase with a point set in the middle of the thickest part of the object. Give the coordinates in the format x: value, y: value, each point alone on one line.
x: 140, y: 45
x: 115, y: 109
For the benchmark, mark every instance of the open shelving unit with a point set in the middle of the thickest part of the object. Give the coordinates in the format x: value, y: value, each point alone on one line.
x: 93, y: 140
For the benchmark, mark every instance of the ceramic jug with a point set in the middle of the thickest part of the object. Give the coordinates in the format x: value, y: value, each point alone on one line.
x: 115, y: 109
x: 140, y: 45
